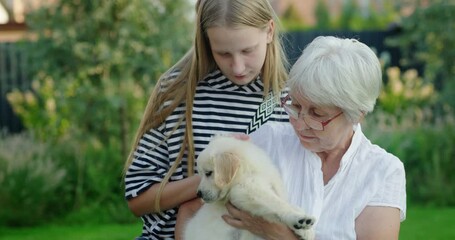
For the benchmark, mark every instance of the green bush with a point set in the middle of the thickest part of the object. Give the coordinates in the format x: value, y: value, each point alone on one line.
x: 427, y: 39
x: 410, y: 123
x: 93, y: 187
x: 405, y: 90
x: 93, y: 65
x: 29, y: 180
x: 71, y: 182
x: 425, y: 145
x: 351, y: 17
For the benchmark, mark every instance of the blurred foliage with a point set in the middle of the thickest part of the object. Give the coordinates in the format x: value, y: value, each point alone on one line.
x: 72, y: 181
x: 352, y: 17
x: 406, y: 124
x: 93, y: 65
x: 291, y: 20
x: 323, y: 16
x: 92, y: 189
x: 427, y: 40
x: 405, y: 91
x: 424, y: 143
x: 29, y: 177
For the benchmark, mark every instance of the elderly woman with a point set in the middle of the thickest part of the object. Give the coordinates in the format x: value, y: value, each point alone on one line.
x: 354, y: 188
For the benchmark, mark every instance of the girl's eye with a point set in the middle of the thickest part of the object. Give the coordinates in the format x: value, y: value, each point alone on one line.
x: 246, y: 51
x: 223, y: 54
x: 208, y: 174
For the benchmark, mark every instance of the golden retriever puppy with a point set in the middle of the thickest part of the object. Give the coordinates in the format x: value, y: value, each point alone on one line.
x: 240, y: 172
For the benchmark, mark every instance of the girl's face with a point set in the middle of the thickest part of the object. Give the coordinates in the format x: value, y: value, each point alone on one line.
x: 336, y: 135
x: 240, y: 52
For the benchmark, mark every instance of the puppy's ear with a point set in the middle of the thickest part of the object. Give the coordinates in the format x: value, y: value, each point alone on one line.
x: 226, y: 166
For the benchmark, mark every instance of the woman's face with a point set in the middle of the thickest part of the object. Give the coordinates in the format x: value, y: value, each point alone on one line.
x: 337, y: 133
x: 240, y: 52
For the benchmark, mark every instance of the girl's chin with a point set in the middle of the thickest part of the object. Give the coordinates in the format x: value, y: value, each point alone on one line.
x: 244, y: 80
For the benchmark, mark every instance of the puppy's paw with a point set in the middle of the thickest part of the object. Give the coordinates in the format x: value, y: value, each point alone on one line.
x: 304, y: 222
x: 304, y: 234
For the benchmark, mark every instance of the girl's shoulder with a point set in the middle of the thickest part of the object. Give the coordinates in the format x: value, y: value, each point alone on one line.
x: 168, y: 79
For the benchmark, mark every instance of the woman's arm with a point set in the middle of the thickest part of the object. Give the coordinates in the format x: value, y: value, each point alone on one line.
x: 257, y: 225
x: 378, y: 223
x: 174, y: 194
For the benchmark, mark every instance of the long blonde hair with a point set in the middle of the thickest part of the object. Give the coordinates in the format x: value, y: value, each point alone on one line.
x: 199, y: 61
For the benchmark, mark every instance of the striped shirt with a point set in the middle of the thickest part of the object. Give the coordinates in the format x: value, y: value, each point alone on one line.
x: 219, y: 107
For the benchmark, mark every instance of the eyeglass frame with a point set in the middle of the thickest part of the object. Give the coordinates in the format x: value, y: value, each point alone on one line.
x: 288, y: 109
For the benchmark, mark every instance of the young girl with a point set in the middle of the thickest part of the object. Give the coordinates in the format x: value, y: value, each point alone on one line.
x: 228, y: 82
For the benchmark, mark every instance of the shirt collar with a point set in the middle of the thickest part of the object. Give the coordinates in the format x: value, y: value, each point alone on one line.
x: 217, y: 80
x: 348, y: 155
x: 352, y: 150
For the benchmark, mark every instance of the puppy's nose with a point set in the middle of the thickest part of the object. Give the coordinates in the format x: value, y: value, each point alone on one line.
x: 199, y: 194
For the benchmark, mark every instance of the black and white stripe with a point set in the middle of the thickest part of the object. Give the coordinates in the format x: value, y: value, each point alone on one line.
x: 219, y: 107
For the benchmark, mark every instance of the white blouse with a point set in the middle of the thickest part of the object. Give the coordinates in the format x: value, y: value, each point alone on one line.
x: 368, y: 176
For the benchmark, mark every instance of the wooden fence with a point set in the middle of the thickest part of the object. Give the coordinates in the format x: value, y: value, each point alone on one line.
x: 12, y: 76
x: 13, y: 65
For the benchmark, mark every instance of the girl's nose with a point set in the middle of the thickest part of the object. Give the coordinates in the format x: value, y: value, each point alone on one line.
x: 238, y: 65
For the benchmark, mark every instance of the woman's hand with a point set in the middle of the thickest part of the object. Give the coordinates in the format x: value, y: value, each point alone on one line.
x: 257, y: 225
x: 186, y: 211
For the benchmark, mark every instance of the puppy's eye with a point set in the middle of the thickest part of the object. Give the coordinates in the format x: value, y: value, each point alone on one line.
x: 208, y: 174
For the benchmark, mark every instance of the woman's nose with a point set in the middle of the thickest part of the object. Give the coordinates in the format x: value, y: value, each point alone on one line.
x: 299, y: 124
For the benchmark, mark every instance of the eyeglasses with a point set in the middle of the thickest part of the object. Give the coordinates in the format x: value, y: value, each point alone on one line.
x: 295, y: 113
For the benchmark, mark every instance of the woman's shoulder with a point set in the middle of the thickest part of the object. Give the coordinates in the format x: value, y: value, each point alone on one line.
x: 272, y: 133
x: 379, y: 158
x: 275, y: 129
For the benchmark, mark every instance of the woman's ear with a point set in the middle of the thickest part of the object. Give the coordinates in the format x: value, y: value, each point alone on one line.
x: 226, y: 166
x: 361, y: 117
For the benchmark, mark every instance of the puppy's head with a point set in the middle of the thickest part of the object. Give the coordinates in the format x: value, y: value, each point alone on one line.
x: 218, y: 166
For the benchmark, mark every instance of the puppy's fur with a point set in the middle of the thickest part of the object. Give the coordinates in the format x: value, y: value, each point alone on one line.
x: 240, y: 172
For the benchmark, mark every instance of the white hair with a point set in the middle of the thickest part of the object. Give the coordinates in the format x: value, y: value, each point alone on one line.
x: 338, y: 72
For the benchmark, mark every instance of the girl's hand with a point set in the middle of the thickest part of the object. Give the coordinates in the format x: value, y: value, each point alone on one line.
x: 241, y: 136
x: 186, y: 211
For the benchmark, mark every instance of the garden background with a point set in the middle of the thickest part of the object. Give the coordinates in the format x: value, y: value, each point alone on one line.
x: 73, y: 94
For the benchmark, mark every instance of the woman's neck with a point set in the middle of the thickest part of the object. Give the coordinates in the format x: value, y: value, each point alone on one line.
x: 331, y: 160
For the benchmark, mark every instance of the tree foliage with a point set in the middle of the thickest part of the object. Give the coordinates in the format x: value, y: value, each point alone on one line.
x: 351, y: 17
x: 94, y: 63
x: 323, y: 15
x: 291, y: 19
x: 427, y: 39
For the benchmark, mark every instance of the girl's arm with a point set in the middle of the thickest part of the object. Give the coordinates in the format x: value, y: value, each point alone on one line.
x: 174, y: 194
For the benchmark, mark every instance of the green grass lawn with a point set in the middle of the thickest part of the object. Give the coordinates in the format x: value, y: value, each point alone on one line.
x: 428, y: 224
x: 421, y: 223
x: 89, y: 232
